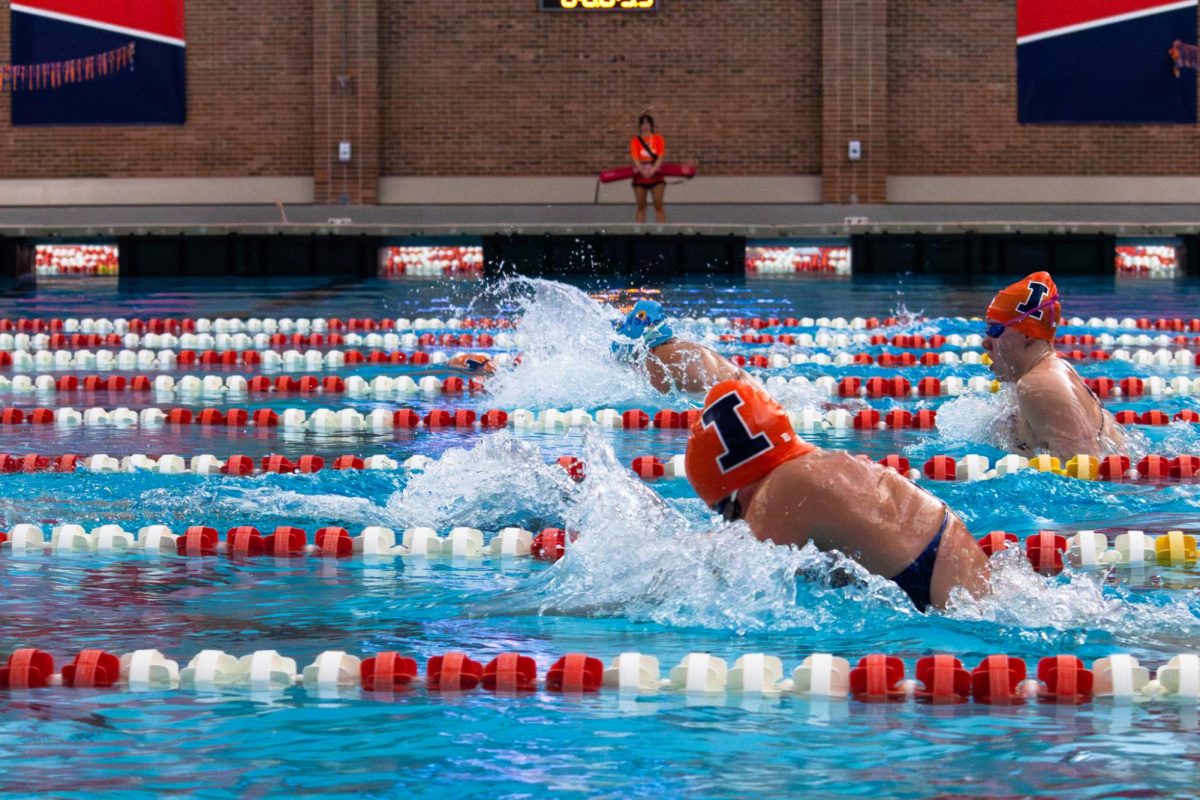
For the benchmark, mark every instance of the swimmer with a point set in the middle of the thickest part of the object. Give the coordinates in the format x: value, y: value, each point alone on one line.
x: 645, y: 337
x: 746, y: 462
x: 1056, y: 412
x: 473, y: 364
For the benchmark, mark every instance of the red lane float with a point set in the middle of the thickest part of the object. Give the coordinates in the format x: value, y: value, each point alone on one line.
x: 452, y: 672
x: 943, y: 680
x: 550, y: 545
x: 575, y: 672
x: 387, y: 672
x: 995, y: 681
x: 877, y: 679
x: 510, y: 672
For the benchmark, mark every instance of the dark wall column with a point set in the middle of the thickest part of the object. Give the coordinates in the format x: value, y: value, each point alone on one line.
x: 17, y: 269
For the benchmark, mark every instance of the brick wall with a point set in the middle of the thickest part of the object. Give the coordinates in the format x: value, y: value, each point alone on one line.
x: 460, y: 88
x: 952, y: 101
x: 249, y: 107
x: 502, y: 89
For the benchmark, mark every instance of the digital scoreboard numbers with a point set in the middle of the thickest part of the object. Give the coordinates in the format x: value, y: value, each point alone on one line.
x: 599, y: 6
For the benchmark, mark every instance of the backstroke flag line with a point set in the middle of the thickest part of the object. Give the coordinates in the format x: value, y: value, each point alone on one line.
x: 54, y: 39
x: 1104, y: 61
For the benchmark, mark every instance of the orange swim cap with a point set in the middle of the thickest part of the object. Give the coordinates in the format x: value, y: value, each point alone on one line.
x: 1031, y: 306
x: 741, y: 435
x: 473, y: 363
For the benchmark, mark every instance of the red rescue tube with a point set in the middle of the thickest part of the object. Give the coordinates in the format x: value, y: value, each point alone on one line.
x: 667, y: 170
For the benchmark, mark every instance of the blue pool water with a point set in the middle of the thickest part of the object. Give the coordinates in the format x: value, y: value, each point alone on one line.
x: 654, y: 575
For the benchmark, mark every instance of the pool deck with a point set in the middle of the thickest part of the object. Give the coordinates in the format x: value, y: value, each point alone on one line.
x: 748, y: 220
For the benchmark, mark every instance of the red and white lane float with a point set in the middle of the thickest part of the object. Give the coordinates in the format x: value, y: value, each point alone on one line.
x: 432, y: 260
x: 937, y: 679
x: 267, y: 360
x: 182, y: 325
x: 1048, y: 552
x: 1178, y: 359
x: 165, y: 387
x: 285, y: 541
x: 204, y: 464
x: 901, y: 388
x: 975, y: 467
x: 838, y: 357
x: 242, y: 342
x: 121, y: 325
x: 970, y: 467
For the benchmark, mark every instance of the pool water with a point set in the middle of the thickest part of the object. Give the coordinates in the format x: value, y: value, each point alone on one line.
x: 652, y: 572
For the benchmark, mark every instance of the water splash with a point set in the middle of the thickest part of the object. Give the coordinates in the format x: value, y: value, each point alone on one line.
x: 500, y: 481
x: 975, y: 418
x: 1067, y: 610
x: 804, y: 396
x: 565, y: 357
x: 985, y: 418
x: 638, y: 557
x: 1183, y: 438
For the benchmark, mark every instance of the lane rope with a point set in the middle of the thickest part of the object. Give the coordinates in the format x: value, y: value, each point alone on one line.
x: 876, y: 678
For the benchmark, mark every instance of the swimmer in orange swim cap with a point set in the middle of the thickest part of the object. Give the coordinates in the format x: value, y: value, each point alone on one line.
x: 745, y: 461
x: 1056, y: 412
x: 644, y: 337
x: 473, y: 363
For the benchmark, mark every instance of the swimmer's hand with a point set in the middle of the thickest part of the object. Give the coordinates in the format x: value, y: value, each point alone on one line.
x: 834, y: 571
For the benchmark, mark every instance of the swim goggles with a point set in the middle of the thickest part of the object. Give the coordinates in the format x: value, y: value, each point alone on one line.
x: 995, y: 329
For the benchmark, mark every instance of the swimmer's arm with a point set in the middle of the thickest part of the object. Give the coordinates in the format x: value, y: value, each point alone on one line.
x: 1056, y: 417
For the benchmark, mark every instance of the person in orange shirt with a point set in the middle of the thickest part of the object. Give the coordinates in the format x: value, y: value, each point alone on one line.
x: 647, y: 149
x: 1056, y: 412
x: 745, y: 461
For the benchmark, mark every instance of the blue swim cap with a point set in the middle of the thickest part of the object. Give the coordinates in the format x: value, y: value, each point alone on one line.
x: 646, y: 321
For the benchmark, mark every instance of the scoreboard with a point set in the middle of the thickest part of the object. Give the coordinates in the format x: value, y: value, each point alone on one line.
x: 598, y: 6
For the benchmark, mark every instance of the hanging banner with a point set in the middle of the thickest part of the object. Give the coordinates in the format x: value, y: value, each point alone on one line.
x: 97, y: 62
x: 1104, y: 61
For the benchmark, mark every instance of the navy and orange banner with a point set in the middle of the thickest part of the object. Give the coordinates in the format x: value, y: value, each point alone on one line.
x: 1104, y: 61
x: 97, y: 62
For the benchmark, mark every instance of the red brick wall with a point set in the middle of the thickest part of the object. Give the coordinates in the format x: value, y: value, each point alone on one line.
x: 474, y: 88
x: 464, y: 88
x: 249, y: 106
x: 952, y: 103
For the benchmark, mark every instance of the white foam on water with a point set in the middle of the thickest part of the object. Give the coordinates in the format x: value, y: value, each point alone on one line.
x: 979, y: 418
x: 639, y: 557
x: 566, y: 360
x: 500, y: 481
x: 987, y: 418
x: 1183, y: 438
x: 1076, y: 602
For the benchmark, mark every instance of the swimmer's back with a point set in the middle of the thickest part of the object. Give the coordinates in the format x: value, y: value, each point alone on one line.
x: 1060, y: 414
x: 688, y: 367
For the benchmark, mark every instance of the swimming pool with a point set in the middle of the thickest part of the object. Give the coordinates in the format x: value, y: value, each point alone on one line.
x: 642, y: 578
